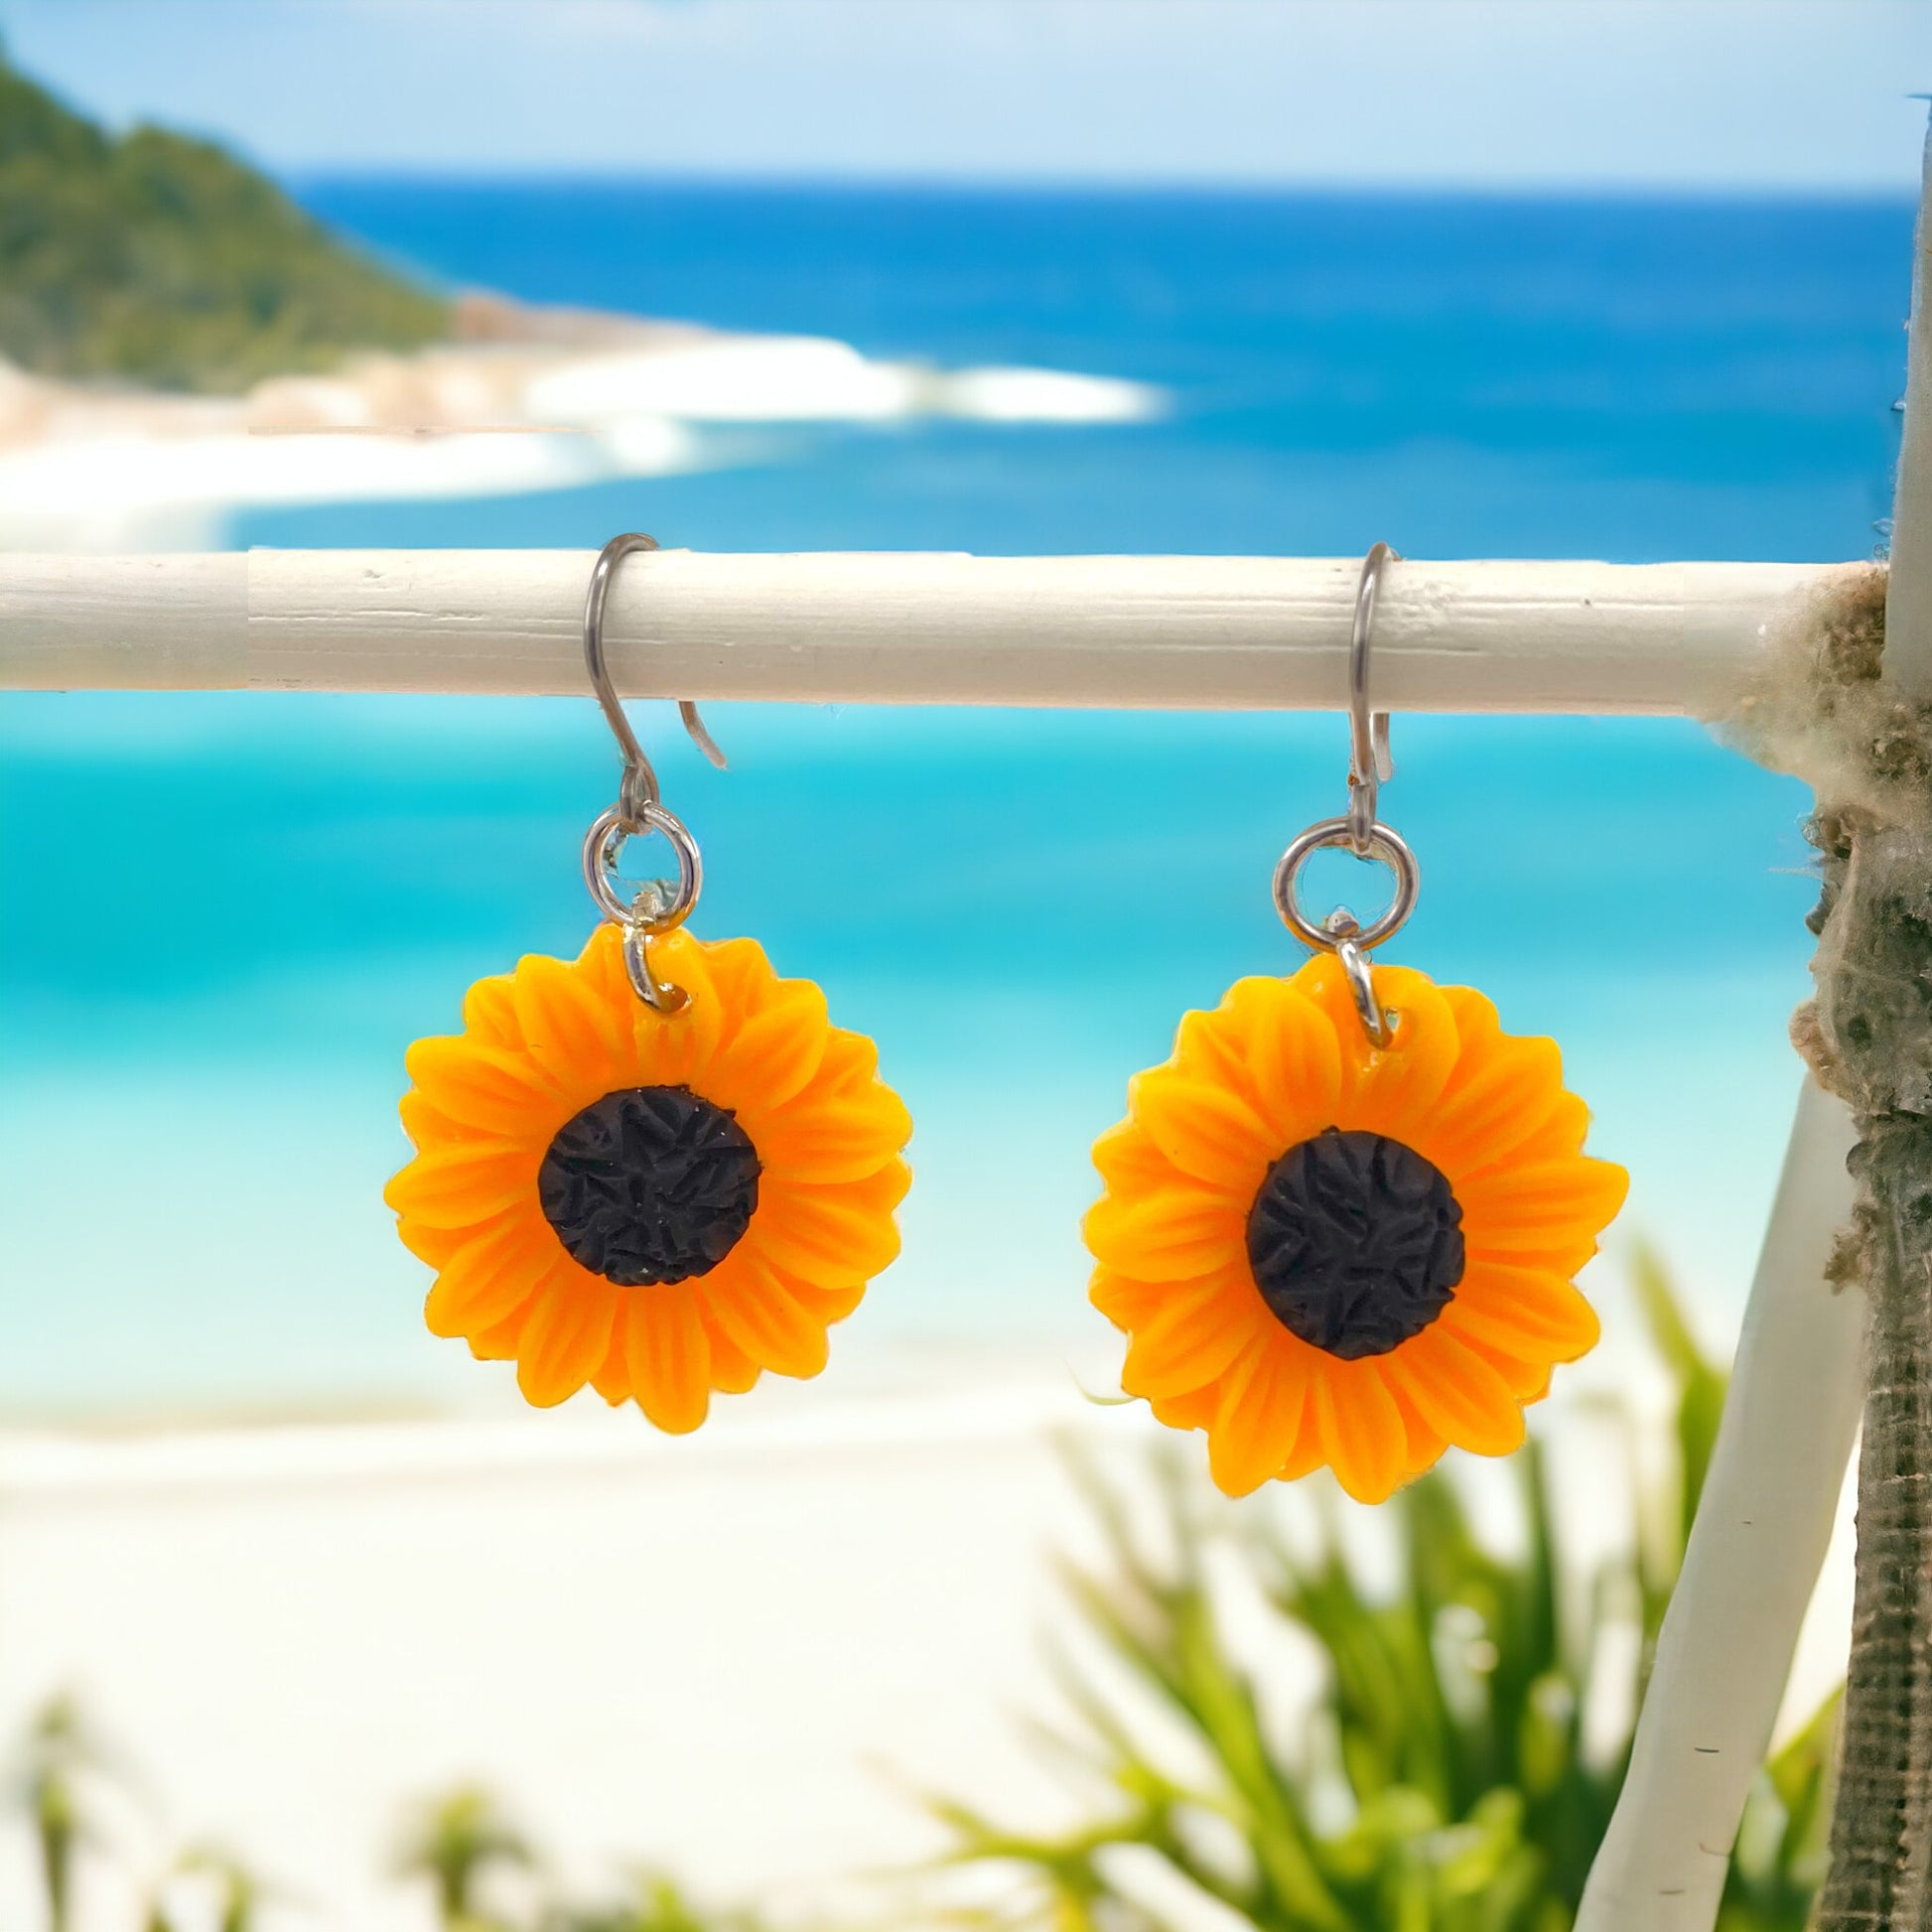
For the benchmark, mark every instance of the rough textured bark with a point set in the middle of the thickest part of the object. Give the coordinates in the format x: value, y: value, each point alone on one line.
x: 1870, y: 1038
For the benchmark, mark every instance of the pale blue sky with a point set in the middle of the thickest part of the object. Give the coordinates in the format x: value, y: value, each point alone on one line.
x: 1507, y: 93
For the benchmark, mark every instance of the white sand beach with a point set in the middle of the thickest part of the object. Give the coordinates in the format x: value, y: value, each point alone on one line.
x: 737, y: 1655
x: 521, y: 399
x: 720, y: 1655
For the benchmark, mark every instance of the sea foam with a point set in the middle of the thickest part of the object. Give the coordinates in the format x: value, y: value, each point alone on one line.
x: 82, y: 469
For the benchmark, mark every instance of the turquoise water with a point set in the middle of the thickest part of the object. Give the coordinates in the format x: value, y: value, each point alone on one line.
x: 224, y: 916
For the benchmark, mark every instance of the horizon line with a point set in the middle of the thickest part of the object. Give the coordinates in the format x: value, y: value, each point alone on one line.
x: 1310, y: 188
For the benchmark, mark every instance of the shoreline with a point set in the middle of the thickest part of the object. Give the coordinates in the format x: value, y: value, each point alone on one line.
x: 521, y: 399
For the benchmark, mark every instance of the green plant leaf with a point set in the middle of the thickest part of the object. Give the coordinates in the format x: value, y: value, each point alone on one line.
x: 1439, y: 1784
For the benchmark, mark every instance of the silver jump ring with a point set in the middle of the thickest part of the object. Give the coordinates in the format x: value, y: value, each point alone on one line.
x: 1384, y: 843
x: 659, y: 995
x: 1361, y: 983
x: 605, y: 840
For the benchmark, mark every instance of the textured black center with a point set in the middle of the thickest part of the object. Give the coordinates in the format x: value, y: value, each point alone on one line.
x: 649, y: 1185
x: 1356, y: 1242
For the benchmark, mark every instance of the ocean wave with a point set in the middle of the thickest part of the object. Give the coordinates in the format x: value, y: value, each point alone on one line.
x: 810, y: 378
x: 92, y: 470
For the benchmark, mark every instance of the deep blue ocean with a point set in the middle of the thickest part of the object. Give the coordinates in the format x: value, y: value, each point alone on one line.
x: 223, y: 918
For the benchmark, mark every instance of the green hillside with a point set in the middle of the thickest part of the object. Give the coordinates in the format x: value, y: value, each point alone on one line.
x: 165, y: 261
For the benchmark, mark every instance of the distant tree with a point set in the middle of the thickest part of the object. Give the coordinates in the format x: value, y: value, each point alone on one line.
x: 153, y: 257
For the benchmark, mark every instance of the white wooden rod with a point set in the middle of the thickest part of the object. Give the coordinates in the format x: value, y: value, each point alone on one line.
x: 1791, y: 1417
x: 1235, y: 633
x: 1908, y: 601
x: 1763, y: 1522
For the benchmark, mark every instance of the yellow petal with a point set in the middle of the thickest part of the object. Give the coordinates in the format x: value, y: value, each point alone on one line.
x: 1194, y: 1410
x: 1191, y: 1336
x: 832, y: 1137
x: 829, y: 1236
x: 1390, y: 1090
x: 1458, y: 1395
x: 882, y: 1192
x: 503, y: 1343
x: 1130, y: 1163
x: 1169, y: 1235
x: 436, y: 1245
x: 578, y: 1038
x: 490, y: 1276
x: 1259, y: 1416
x: 655, y: 1048
x: 669, y: 1356
x: 612, y: 1378
x: 677, y: 1050
x: 1213, y: 1046
x: 486, y: 1087
x: 827, y: 1305
x: 426, y: 1127
x: 1361, y: 1428
x: 845, y: 1086
x: 567, y: 1335
x: 1205, y: 1130
x: 1527, y: 1381
x: 1289, y: 1055
x: 1530, y: 1209
x: 751, y: 1304
x: 738, y: 972
x: 1424, y: 1445
x: 1478, y: 1022
x: 490, y: 1013
x: 599, y: 967
x: 1125, y: 1301
x: 1559, y: 1138
x: 1524, y: 1312
x: 1307, y: 1455
x: 767, y: 1056
x: 454, y: 1187
x: 732, y: 1370
x: 1499, y: 1097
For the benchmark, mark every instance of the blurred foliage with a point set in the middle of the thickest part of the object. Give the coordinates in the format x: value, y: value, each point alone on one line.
x: 235, y: 1893
x: 164, y: 260
x: 57, y: 1763
x: 457, y: 1840
x: 1445, y: 1778
x: 656, y: 1903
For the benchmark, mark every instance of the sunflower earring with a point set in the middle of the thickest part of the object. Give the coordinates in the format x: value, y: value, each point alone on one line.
x: 1340, y: 1225
x: 656, y: 1167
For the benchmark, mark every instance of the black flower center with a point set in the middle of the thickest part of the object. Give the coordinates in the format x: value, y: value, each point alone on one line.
x: 649, y: 1185
x: 1355, y: 1242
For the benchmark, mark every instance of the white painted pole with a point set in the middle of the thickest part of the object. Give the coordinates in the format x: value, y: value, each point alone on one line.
x: 1252, y: 633
x: 1796, y: 1394
x: 1769, y: 1501
x: 1908, y: 597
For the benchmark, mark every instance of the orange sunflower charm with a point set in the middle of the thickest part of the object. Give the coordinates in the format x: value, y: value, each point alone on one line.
x: 1327, y: 1253
x: 1340, y: 1223
x: 657, y: 1168
x: 658, y: 1206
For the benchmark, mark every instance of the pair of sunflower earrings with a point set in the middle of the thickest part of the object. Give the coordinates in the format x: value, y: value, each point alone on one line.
x: 1338, y: 1229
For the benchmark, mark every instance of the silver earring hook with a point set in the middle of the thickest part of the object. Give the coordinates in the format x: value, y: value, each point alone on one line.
x: 1369, y: 760
x: 661, y: 908
x: 640, y: 790
x: 1358, y: 829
